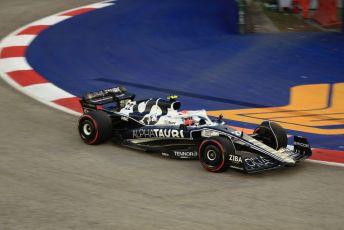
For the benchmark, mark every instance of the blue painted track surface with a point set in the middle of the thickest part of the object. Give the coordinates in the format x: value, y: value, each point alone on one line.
x: 159, y: 47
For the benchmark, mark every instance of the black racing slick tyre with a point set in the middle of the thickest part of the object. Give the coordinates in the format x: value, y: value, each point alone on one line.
x: 214, y: 153
x: 272, y: 134
x: 95, y: 127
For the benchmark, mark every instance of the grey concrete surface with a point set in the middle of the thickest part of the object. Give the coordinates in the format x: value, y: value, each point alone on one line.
x: 260, y: 23
x: 49, y: 179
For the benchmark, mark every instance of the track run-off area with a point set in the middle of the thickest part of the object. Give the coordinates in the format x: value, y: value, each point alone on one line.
x: 51, y: 180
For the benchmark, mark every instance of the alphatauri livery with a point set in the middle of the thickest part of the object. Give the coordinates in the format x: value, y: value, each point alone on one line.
x: 158, y: 125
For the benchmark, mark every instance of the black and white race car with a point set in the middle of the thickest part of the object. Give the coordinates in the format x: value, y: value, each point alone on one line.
x: 157, y: 125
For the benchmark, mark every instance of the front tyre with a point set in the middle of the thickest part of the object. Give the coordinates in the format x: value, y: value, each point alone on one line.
x: 214, y: 153
x: 95, y: 127
x: 272, y: 134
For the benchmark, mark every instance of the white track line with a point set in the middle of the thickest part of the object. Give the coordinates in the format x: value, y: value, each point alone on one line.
x: 325, y: 163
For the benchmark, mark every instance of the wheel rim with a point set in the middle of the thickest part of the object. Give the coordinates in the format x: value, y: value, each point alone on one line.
x: 87, y: 129
x: 211, y: 155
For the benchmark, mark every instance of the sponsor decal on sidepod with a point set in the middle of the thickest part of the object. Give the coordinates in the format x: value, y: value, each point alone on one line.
x: 235, y: 158
x: 161, y: 133
x: 185, y: 154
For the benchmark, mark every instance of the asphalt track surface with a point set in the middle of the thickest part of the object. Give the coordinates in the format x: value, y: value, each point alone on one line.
x: 49, y: 179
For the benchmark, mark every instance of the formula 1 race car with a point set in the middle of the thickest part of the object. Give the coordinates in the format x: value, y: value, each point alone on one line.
x: 157, y: 125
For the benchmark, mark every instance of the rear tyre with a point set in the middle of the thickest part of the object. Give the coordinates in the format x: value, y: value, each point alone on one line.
x: 95, y: 127
x: 214, y: 153
x: 272, y: 134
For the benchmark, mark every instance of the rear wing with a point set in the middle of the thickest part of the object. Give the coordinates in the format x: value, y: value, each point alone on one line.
x: 95, y: 100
